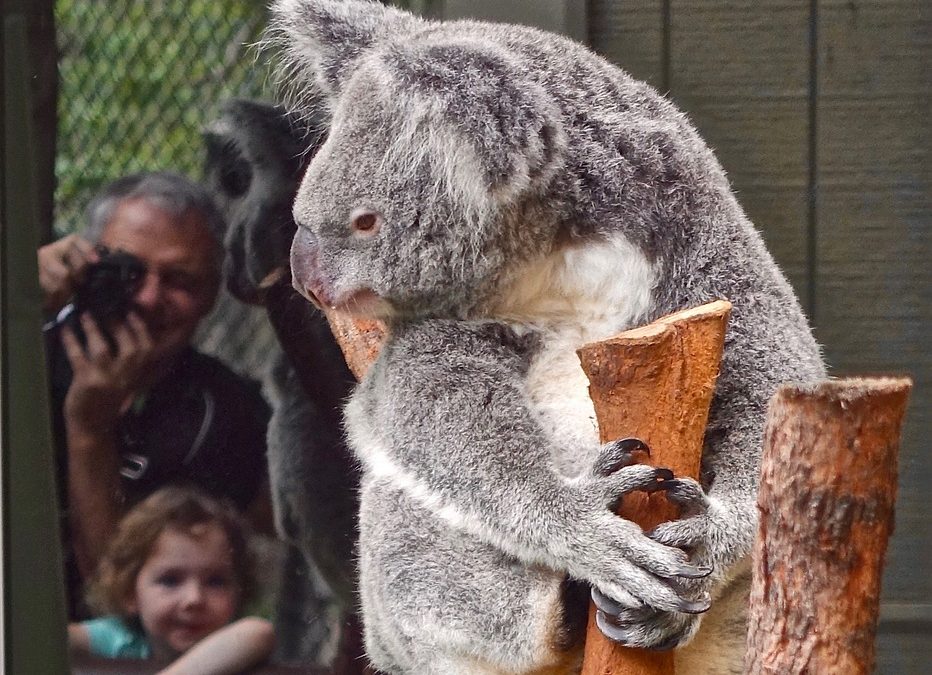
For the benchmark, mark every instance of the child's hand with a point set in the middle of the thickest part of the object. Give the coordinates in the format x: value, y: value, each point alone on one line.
x: 232, y: 649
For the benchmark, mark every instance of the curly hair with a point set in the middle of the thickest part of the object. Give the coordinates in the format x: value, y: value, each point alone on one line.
x: 177, y: 509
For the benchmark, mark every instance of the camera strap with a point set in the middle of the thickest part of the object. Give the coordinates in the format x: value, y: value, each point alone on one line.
x: 59, y: 319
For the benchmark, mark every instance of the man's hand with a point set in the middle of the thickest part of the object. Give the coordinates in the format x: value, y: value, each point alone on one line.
x: 105, y: 382
x: 61, y: 268
x: 103, y: 386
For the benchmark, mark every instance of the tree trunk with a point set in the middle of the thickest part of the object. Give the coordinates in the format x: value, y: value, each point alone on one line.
x: 828, y: 485
x: 654, y: 383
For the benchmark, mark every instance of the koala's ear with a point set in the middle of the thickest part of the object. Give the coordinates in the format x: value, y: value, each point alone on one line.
x: 491, y: 104
x: 322, y: 39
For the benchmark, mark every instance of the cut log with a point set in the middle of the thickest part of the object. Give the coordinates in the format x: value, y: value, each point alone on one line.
x: 360, y: 340
x: 654, y: 383
x: 828, y: 485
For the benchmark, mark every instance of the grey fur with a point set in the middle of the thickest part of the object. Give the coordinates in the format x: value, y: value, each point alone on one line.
x: 464, y: 520
x: 505, y: 166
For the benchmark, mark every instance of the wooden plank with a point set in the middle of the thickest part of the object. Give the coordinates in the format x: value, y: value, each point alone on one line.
x: 33, y: 613
x: 874, y: 278
x: 630, y: 35
x: 741, y: 71
x: 560, y: 16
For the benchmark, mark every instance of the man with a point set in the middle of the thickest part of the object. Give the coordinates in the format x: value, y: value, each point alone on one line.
x: 135, y: 406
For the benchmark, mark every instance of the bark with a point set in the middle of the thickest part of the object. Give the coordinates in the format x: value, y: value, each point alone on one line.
x: 654, y: 383
x: 360, y: 340
x: 828, y: 485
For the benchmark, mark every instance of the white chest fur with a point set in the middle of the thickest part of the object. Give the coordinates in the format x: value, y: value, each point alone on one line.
x: 585, y: 292
x: 578, y: 294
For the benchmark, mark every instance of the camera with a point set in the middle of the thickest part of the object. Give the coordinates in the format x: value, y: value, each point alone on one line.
x: 106, y: 293
x: 109, y: 286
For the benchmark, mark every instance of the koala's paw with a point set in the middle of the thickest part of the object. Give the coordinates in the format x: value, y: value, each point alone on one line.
x: 643, y: 627
x: 616, y: 455
x: 616, y: 472
x: 693, y: 530
x: 642, y: 573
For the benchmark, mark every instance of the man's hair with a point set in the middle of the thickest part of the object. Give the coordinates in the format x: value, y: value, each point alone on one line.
x: 184, y: 510
x: 171, y: 192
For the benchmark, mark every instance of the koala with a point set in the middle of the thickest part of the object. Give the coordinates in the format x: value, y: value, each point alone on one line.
x: 256, y: 154
x: 473, y: 520
x: 483, y: 172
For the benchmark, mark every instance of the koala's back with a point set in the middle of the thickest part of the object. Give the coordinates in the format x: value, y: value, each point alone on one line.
x: 626, y: 167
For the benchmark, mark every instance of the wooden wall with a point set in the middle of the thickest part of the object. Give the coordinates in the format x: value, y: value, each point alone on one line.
x: 819, y: 112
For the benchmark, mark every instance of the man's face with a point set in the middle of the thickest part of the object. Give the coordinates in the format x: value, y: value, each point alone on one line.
x: 181, y: 279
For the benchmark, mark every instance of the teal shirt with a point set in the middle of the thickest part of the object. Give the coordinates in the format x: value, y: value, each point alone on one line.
x: 112, y: 638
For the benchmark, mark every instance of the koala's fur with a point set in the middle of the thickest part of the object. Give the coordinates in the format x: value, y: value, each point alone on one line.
x: 256, y: 155
x: 486, y: 172
x: 467, y: 538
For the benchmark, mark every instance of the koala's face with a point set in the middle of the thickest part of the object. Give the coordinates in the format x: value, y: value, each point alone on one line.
x: 384, y: 228
x: 255, y: 158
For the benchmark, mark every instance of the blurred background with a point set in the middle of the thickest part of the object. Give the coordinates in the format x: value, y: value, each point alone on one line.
x: 818, y: 110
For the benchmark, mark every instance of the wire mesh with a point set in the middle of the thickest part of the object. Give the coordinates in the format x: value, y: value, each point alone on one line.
x: 139, y: 80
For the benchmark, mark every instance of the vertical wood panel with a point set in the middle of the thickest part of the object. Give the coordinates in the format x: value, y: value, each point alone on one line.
x: 630, y: 35
x: 741, y: 71
x: 560, y: 16
x: 874, y: 271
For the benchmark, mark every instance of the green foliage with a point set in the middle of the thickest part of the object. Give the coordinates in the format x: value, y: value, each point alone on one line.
x: 139, y: 79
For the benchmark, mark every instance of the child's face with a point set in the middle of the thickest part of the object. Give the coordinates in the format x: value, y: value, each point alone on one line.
x: 185, y: 590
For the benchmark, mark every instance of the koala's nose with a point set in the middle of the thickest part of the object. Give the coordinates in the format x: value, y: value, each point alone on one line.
x: 306, y: 275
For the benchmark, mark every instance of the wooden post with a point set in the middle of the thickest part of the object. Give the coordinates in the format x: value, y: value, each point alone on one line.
x: 654, y: 383
x: 360, y: 340
x: 828, y: 485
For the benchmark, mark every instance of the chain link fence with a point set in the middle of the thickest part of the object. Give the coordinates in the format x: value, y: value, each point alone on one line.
x: 139, y: 80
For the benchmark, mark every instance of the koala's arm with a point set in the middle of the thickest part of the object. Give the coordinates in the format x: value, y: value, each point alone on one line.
x: 314, y: 483
x: 459, y: 436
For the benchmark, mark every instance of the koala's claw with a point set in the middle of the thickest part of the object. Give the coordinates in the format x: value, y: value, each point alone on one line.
x: 614, y: 608
x: 610, y: 629
x: 665, y: 482
x: 603, y: 603
x: 694, y: 571
x: 696, y: 606
x: 688, y: 494
x: 662, y: 476
x: 647, y: 627
x: 619, y: 454
x: 634, y: 636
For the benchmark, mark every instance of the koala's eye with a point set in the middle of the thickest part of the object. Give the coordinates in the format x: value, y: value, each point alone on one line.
x: 235, y: 177
x: 365, y: 222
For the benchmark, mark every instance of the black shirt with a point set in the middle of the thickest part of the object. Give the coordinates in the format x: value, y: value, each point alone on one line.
x: 201, y: 424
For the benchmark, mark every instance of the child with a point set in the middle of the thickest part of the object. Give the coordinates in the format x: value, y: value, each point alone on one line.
x: 174, y: 576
